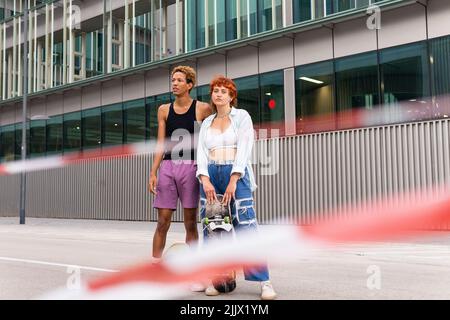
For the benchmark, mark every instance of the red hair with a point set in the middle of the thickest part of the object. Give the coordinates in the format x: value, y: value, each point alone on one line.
x: 222, y: 81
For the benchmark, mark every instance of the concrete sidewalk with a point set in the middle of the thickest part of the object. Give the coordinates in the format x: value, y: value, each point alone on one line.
x: 36, y: 258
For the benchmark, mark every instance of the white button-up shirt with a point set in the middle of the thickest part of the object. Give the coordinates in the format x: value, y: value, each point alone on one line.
x: 243, y: 128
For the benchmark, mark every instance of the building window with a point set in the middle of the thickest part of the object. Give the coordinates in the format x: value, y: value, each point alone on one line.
x: 272, y: 100
x: 54, y: 135
x: 8, y: 140
x: 405, y: 76
x: 151, y: 118
x: 365, y: 3
x: 230, y: 19
x: 341, y: 5
x: 203, y: 94
x: 248, y: 97
x: 91, y: 128
x: 314, y: 90
x: 357, y: 82
x: 143, y: 38
x: 153, y: 104
x: 37, y: 138
x: 18, y: 142
x: 112, y: 124
x: 302, y: 10
x: 221, y: 23
x: 264, y: 15
x: 72, y: 131
x: 195, y: 24
x: 211, y: 29
x: 134, y: 118
x: 226, y: 24
x: 58, y: 66
x: 94, y: 52
x: 440, y: 68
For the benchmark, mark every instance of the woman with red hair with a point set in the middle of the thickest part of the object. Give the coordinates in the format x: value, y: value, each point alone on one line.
x: 223, y: 167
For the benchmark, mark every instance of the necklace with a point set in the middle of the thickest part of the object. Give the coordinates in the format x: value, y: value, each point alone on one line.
x: 223, y: 116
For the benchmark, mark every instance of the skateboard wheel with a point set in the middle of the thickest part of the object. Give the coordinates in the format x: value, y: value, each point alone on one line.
x: 206, y: 221
x: 226, y: 219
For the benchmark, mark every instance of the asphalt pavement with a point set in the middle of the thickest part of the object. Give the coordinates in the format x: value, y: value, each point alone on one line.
x: 40, y: 256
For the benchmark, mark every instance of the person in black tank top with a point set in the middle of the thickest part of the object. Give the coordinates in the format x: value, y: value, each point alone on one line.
x: 178, y: 123
x: 170, y: 180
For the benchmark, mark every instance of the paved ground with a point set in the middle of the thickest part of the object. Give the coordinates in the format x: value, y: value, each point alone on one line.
x: 36, y: 258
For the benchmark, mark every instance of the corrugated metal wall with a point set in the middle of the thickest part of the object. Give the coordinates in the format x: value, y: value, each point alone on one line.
x: 314, y: 173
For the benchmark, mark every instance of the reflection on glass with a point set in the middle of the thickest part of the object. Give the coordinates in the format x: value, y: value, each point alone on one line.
x: 314, y: 97
x: 134, y: 118
x: 405, y: 77
x: 37, y: 138
x: 54, y: 135
x: 112, y: 124
x: 195, y: 27
x: 264, y: 15
x: 18, y: 142
x: 91, y: 128
x: 8, y: 138
x: 248, y: 97
x: 357, y: 81
x: 203, y: 94
x: 72, y: 131
x: 440, y: 67
x: 152, y: 105
x: 272, y: 100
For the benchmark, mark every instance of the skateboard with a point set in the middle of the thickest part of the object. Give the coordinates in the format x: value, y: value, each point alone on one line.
x: 219, y: 226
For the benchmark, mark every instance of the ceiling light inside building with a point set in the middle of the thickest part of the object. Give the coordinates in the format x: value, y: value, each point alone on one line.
x: 311, y: 80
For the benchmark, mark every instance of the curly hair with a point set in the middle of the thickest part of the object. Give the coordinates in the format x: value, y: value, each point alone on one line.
x: 191, y: 75
x: 222, y: 81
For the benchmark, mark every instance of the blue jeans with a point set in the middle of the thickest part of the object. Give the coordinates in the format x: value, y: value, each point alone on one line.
x: 242, y: 210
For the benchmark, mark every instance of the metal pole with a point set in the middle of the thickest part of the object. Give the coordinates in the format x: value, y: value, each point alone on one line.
x: 23, y: 180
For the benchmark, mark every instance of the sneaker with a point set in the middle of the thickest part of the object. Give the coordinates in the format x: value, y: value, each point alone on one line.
x: 154, y: 260
x: 267, y: 292
x: 197, y: 287
x: 211, y: 291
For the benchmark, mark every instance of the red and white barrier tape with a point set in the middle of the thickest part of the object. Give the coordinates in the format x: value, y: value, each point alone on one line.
x: 354, y: 118
x: 281, y: 244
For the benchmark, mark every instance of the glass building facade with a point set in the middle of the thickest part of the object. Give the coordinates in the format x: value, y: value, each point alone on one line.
x: 129, y: 33
x: 119, y: 34
x: 415, y: 74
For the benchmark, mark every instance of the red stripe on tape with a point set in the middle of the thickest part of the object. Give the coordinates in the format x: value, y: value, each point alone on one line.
x: 159, y: 273
x: 383, y: 223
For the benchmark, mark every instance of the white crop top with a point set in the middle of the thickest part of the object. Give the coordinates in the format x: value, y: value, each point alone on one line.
x: 215, y: 139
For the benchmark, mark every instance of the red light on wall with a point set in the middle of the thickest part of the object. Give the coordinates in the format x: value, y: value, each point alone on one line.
x: 272, y: 104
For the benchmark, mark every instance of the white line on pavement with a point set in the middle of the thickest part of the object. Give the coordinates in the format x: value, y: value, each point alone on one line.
x: 56, y: 264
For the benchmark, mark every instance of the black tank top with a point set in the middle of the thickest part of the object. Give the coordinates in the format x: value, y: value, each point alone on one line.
x: 185, y: 122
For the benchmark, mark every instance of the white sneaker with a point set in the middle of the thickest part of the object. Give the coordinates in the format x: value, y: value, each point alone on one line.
x: 267, y: 291
x: 197, y: 287
x: 154, y: 260
x: 211, y: 291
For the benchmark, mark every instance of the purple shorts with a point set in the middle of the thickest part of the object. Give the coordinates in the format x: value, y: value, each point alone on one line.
x: 177, y: 179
